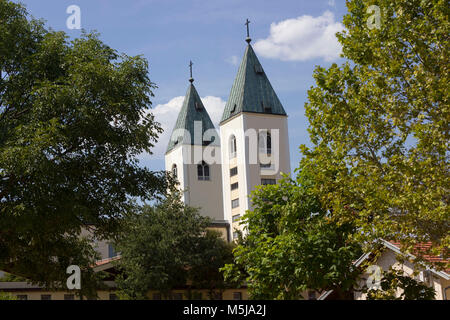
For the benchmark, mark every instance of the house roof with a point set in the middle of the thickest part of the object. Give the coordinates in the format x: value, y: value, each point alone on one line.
x: 395, y: 246
x: 252, y: 91
x: 105, y: 264
x: 422, y: 248
x: 191, y: 111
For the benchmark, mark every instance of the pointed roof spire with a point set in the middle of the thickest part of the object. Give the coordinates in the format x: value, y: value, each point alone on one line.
x: 248, y: 40
x: 192, y: 110
x: 252, y: 91
x: 191, y: 80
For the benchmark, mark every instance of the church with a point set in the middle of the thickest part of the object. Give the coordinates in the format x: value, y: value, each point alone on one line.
x: 217, y: 173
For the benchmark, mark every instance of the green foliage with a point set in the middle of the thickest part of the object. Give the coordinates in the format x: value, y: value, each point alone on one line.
x: 166, y: 247
x: 8, y: 277
x: 7, y: 296
x: 212, y: 253
x: 73, y: 119
x: 410, y: 288
x: 379, y: 125
x: 292, y: 244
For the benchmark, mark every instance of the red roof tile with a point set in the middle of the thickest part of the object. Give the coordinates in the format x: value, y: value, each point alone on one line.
x: 424, y: 247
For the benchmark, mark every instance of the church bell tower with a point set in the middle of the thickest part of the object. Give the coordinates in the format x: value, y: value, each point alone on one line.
x: 253, y: 136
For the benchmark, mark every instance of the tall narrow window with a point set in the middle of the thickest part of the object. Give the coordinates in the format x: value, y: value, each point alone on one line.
x: 111, y: 251
x: 233, y: 147
x: 265, y: 142
x: 203, y: 171
x: 262, y: 141
x: 233, y: 171
x: 175, y: 171
x: 235, y: 203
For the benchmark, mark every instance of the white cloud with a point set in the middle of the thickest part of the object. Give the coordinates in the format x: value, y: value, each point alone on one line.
x: 233, y: 60
x: 167, y: 114
x: 332, y: 3
x: 214, y: 106
x: 302, y: 39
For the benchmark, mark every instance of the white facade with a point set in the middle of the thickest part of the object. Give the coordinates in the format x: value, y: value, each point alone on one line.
x: 198, y: 191
x: 248, y: 157
x: 253, y: 149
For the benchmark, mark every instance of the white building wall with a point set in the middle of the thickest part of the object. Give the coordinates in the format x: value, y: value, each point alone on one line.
x: 389, y: 259
x: 227, y: 130
x: 175, y: 156
x: 204, y: 194
x: 246, y: 127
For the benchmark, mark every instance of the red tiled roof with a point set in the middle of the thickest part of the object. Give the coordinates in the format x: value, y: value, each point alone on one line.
x: 105, y: 261
x: 423, y: 248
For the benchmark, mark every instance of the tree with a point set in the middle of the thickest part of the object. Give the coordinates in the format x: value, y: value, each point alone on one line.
x: 73, y: 119
x: 213, y: 253
x: 379, y: 125
x: 292, y: 244
x: 410, y: 289
x: 7, y: 296
x: 7, y: 277
x: 167, y: 246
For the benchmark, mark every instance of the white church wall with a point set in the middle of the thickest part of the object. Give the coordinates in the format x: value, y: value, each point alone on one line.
x: 234, y: 127
x: 245, y: 127
x: 204, y: 194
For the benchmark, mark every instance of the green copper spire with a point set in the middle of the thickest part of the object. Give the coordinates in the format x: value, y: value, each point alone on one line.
x: 191, y: 111
x: 252, y: 91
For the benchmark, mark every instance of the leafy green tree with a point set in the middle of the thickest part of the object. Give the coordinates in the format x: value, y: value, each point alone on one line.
x: 212, y: 254
x: 410, y: 289
x: 379, y: 124
x: 7, y: 296
x: 292, y: 244
x: 73, y: 119
x: 7, y: 277
x: 167, y: 246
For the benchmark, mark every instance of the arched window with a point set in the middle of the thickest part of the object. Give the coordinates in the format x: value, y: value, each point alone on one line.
x: 203, y: 171
x: 175, y: 171
x: 265, y: 142
x: 233, y: 147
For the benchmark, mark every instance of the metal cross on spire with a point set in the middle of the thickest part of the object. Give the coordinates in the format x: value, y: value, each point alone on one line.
x: 190, y: 68
x: 248, y: 32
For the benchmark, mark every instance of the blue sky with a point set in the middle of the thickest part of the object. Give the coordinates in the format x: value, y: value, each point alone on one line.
x: 289, y: 37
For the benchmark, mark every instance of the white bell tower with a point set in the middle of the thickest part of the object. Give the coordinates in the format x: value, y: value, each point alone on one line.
x: 193, y: 155
x: 253, y: 136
